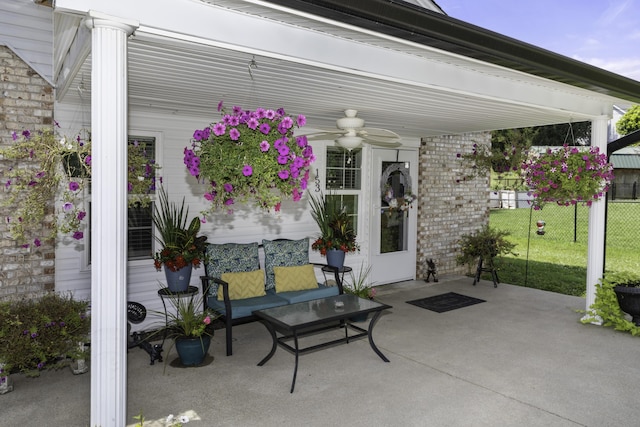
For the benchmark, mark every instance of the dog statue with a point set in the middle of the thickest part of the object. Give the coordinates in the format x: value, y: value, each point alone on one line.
x: 155, y: 351
x: 431, y: 270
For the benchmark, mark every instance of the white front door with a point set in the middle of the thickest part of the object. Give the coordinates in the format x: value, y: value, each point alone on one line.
x: 393, y: 222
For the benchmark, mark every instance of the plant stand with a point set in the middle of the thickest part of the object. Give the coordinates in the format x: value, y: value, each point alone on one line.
x: 489, y: 268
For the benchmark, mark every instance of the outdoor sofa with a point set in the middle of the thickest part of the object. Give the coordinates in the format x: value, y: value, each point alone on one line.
x: 235, y: 285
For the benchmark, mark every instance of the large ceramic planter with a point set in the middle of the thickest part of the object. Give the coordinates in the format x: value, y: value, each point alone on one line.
x: 178, y: 281
x: 629, y: 301
x: 335, y: 258
x: 192, y: 351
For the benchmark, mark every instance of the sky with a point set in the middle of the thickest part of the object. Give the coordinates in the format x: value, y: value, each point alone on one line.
x: 603, y: 33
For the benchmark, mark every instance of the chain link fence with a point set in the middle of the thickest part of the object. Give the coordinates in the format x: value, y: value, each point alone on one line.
x: 552, y: 242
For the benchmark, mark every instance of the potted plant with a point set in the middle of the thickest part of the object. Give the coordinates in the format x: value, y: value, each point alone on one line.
x: 41, y: 333
x: 482, y: 247
x: 337, y: 236
x: 617, y: 294
x: 251, y: 155
x: 190, y: 327
x: 182, y: 248
x: 567, y: 175
x: 46, y: 169
x: 360, y: 287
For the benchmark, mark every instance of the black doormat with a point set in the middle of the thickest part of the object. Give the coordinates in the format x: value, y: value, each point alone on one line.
x: 445, y: 302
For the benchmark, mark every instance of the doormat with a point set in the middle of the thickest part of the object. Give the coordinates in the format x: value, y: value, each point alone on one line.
x: 445, y: 302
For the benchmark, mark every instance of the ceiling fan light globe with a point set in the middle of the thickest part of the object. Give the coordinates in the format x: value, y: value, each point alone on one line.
x: 349, y: 142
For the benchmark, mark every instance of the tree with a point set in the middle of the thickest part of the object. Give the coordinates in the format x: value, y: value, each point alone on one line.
x: 630, y: 121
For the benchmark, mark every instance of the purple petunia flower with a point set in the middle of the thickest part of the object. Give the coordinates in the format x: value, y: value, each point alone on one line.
x: 283, y: 174
x: 78, y: 235
x: 287, y: 122
x: 265, y: 128
x: 301, y: 120
x: 37, y: 243
x: 68, y: 206
x: 270, y: 114
x: 81, y: 215
x: 253, y: 123
x: 283, y: 150
x: 247, y: 170
x: 87, y: 160
x: 302, y: 141
x: 219, y: 129
x: 234, y: 134
x: 14, y: 135
x: 264, y: 146
x: 228, y: 202
x: 228, y: 187
x: 220, y: 105
x: 73, y: 186
x: 282, y: 160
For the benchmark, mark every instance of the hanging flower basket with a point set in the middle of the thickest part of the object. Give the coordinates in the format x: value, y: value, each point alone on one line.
x: 250, y: 155
x: 567, y: 176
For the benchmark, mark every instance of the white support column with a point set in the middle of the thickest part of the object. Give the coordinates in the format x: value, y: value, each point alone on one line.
x: 595, y: 249
x: 109, y: 219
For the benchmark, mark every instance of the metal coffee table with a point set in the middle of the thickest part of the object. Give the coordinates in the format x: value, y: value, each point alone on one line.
x: 294, y: 321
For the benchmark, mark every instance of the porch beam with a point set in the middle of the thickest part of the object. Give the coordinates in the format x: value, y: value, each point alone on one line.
x: 109, y: 218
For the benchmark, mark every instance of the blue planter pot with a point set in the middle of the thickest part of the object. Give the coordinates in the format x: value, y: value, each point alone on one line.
x: 335, y: 258
x: 178, y: 281
x: 192, y: 351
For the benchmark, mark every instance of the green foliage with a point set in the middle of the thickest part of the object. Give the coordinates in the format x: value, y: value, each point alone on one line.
x: 335, y: 223
x: 630, y: 121
x: 181, y: 244
x: 360, y: 285
x: 39, y: 333
x: 45, y: 179
x: 486, y: 243
x: 606, y: 305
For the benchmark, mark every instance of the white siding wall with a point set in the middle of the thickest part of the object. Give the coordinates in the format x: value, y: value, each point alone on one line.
x: 173, y: 133
x: 28, y: 30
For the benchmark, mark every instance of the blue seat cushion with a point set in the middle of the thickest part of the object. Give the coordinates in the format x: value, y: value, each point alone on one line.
x: 309, y: 294
x: 245, y: 307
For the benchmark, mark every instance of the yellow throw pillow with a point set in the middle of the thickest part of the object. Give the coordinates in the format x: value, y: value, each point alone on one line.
x: 295, y: 278
x: 243, y: 285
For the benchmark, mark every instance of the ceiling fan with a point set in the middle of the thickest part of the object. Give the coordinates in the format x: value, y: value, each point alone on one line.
x: 351, y: 133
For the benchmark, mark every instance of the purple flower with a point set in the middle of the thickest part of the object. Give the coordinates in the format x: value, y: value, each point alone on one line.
x: 78, y: 235
x: 264, y: 146
x: 270, y: 114
x: 81, y: 215
x: 234, y: 134
x: 228, y: 202
x: 282, y: 160
x: 26, y: 134
x: 220, y: 106
x: 287, y: 122
x: 37, y: 243
x: 283, y: 174
x: 87, y: 160
x: 228, y: 187
x: 67, y: 207
x: 265, y: 128
x: 252, y: 123
x: 284, y: 150
x: 247, y: 170
x: 302, y: 141
x: 73, y: 186
x: 219, y: 129
x: 14, y: 135
x: 301, y: 120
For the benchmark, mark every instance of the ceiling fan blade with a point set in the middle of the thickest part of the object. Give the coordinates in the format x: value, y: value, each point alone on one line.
x: 383, y: 144
x: 378, y: 134
x: 321, y: 136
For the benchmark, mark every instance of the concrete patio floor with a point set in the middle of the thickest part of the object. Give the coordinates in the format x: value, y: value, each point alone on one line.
x: 522, y: 358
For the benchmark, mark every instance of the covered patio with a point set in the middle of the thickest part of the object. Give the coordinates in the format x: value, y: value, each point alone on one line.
x: 520, y: 358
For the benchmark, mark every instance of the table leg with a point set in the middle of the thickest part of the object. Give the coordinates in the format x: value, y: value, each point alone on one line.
x: 372, y: 323
x: 295, y: 369
x: 274, y: 345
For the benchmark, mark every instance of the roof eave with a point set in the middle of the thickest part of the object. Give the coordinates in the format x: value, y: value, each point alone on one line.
x: 409, y: 22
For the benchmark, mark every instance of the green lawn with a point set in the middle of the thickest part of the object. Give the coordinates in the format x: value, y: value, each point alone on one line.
x: 556, y: 261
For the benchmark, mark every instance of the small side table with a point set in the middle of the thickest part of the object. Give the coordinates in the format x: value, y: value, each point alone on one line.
x: 339, y: 275
x: 165, y: 293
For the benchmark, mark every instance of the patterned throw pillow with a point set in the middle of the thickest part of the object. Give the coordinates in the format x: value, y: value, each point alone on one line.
x: 283, y: 253
x: 230, y: 258
x: 244, y: 285
x: 295, y: 278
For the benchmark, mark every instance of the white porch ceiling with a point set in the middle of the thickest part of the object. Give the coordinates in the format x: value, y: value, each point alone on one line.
x: 188, y: 76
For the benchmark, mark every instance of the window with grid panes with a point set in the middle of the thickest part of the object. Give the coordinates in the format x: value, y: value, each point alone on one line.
x: 343, y: 181
x: 139, y: 219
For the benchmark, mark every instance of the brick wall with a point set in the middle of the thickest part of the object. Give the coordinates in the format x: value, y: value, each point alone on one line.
x: 448, y: 205
x: 26, y: 102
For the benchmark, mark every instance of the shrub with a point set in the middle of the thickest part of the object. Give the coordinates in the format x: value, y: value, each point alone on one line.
x: 40, y: 333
